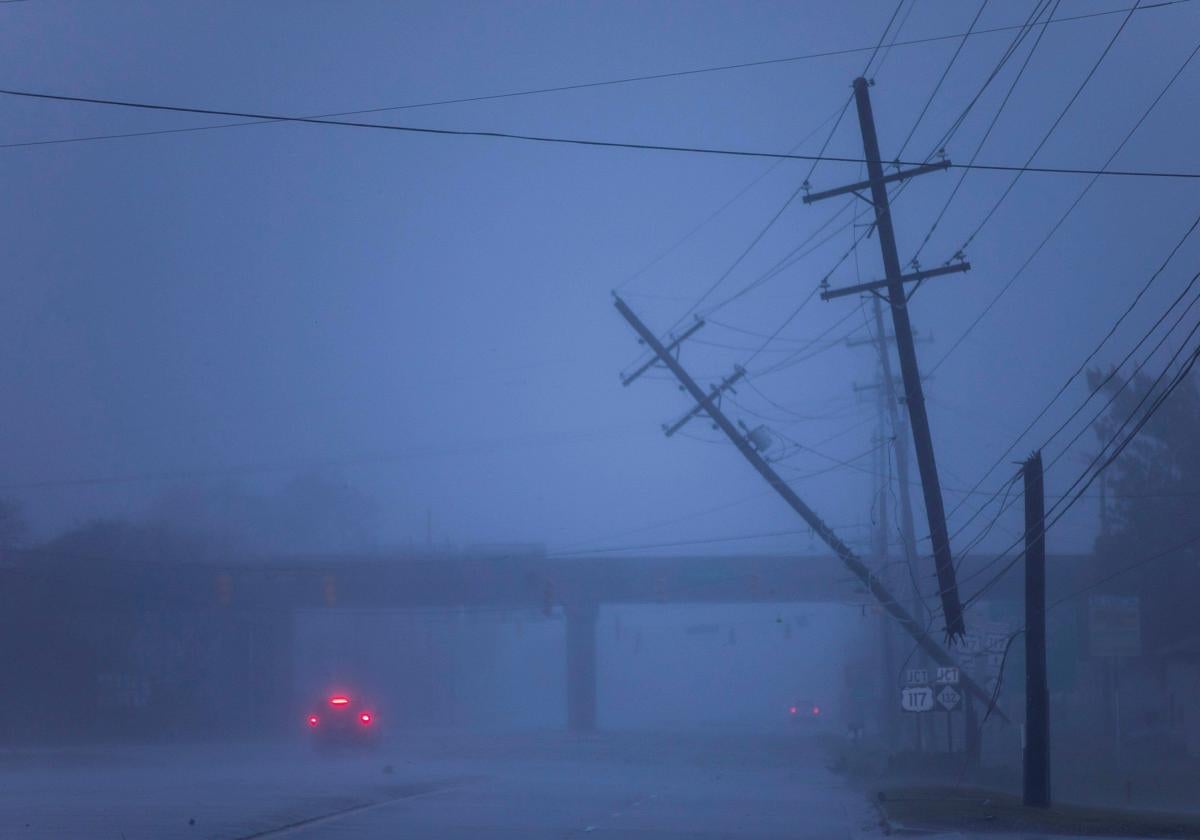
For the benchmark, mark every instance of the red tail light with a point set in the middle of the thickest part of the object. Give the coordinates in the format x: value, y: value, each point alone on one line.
x: 313, y: 720
x: 339, y: 700
x: 792, y: 710
x: 365, y: 718
x: 816, y: 711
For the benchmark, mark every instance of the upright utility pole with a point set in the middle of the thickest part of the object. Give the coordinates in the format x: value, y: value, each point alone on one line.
x: 898, y: 300
x: 851, y: 560
x: 888, y: 711
x: 1036, y: 787
x: 898, y: 429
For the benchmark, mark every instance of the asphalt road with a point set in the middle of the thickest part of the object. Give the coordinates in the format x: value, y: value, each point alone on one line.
x: 433, y: 786
x: 439, y: 786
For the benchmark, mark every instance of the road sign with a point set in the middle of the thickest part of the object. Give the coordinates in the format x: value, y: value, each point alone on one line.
x: 916, y: 676
x: 916, y: 698
x: 949, y: 698
x: 947, y: 676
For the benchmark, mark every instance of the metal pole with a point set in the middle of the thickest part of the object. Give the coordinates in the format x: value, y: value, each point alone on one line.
x: 914, y: 395
x: 1037, y: 697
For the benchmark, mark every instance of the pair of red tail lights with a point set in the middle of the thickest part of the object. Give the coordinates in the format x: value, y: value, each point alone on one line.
x: 338, y: 701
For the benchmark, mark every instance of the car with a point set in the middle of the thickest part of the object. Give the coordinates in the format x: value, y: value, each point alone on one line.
x: 804, y: 713
x: 342, y: 721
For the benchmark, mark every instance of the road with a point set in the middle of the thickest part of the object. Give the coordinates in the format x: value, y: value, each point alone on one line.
x: 443, y: 787
x: 438, y: 786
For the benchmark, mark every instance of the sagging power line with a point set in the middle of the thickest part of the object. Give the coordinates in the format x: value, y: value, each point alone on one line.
x: 575, y: 141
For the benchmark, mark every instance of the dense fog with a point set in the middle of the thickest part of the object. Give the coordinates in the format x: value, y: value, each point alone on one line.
x: 520, y: 419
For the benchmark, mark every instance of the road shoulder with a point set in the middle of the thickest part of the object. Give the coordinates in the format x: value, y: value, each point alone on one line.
x: 931, y: 809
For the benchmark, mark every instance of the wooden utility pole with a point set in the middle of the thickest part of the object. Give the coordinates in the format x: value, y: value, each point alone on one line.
x: 1036, y: 786
x: 893, y: 434
x: 897, y: 427
x: 851, y: 560
x: 888, y: 712
x: 914, y: 396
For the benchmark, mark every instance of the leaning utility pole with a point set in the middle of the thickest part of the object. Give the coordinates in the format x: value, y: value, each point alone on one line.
x: 1036, y: 784
x: 898, y: 299
x: 818, y: 525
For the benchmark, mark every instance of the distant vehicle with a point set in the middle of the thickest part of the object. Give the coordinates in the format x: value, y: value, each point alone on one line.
x: 805, y: 713
x: 342, y: 721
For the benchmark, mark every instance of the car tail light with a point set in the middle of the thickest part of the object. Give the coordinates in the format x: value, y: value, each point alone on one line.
x: 339, y: 700
x: 313, y: 720
x: 816, y: 711
x: 365, y: 718
x: 793, y: 710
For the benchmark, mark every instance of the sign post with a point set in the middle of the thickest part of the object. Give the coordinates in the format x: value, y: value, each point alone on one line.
x: 1114, y: 631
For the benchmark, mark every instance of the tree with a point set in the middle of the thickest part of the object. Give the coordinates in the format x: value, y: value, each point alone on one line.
x: 310, y: 512
x: 1153, y: 490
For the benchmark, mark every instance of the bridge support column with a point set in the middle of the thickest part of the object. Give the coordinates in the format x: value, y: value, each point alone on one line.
x: 581, y: 667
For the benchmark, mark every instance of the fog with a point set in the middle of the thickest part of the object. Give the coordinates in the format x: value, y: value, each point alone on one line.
x: 314, y: 389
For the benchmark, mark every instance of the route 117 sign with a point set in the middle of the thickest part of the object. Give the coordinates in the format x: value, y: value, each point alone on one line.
x: 916, y: 698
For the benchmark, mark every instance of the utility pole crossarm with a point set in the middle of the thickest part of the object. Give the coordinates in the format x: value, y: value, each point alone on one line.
x: 818, y: 525
x: 857, y: 188
x: 675, y: 342
x: 873, y: 386
x: 914, y: 277
x: 726, y: 385
x: 873, y: 341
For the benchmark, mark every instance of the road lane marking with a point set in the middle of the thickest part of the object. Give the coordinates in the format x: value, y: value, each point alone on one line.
x: 308, y: 822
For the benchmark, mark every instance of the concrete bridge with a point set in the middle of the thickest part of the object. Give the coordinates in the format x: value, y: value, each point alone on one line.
x: 255, y: 598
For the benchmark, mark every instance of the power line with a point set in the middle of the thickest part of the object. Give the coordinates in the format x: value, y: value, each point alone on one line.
x: 1145, y: 561
x: 1053, y: 127
x: 795, y: 255
x: 1092, y: 471
x: 763, y: 231
x: 577, y: 141
x: 1053, y: 230
x: 572, y: 87
x: 1097, y: 466
x: 895, y: 37
x: 945, y: 138
x: 1058, y: 224
x: 1095, y: 350
x: 755, y: 333
x: 1180, y: 377
x: 774, y: 165
x: 1137, y: 369
x: 1004, y: 504
x: 1008, y: 54
x: 937, y: 87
